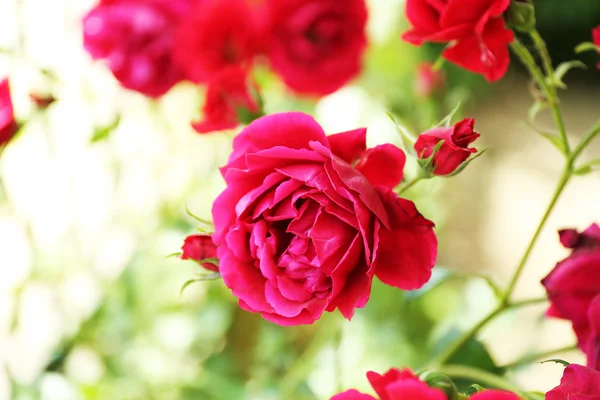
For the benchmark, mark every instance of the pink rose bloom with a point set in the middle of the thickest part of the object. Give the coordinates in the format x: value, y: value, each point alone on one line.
x: 227, y: 94
x: 455, y: 149
x: 494, y: 395
x: 8, y: 125
x: 200, y: 247
x: 136, y: 39
x: 573, y: 289
x: 577, y: 383
x: 395, y: 385
x: 317, y: 46
x: 300, y: 231
x: 217, y: 34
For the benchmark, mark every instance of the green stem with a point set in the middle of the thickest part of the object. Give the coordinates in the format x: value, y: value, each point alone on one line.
x: 549, y: 90
x: 528, y: 359
x: 455, y: 346
x: 589, y: 136
x: 409, y: 185
x: 477, y: 375
x: 564, y: 179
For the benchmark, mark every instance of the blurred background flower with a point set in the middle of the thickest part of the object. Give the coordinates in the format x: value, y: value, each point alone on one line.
x: 94, y: 194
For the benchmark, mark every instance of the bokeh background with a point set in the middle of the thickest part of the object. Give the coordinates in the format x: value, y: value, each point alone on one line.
x: 94, y: 198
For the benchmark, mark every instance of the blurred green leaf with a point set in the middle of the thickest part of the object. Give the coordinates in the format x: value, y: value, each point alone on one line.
x: 586, y: 46
x: 563, y: 69
x: 103, y: 133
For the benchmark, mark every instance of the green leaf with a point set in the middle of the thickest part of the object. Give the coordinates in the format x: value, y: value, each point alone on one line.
x: 201, y: 278
x: 555, y: 140
x: 586, y: 169
x: 448, y: 118
x: 408, y: 140
x: 557, y: 361
x: 475, y: 388
x: 466, y: 163
x: 586, y: 46
x: 102, y: 133
x: 534, y: 110
x: 208, y: 224
x: 562, y: 70
x: 178, y: 254
x: 534, y: 395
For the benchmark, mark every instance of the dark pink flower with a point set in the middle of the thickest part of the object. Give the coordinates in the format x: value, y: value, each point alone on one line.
x: 8, y: 125
x: 596, y: 39
x: 476, y: 32
x: 226, y: 96
x: 455, y: 149
x: 395, y: 385
x: 577, y: 383
x: 317, y: 45
x: 200, y: 247
x: 301, y: 231
x: 573, y: 289
x: 494, y: 395
x: 216, y: 35
x: 136, y: 38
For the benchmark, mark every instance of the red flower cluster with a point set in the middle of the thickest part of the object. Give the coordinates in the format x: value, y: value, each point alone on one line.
x: 316, y: 46
x: 574, y: 289
x: 475, y: 31
x: 8, y: 125
x: 403, y: 384
x: 301, y: 231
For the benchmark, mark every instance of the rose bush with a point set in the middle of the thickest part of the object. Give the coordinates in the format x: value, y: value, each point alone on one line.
x: 217, y: 34
x: 136, y: 40
x: 316, y: 45
x: 454, y: 151
x: 577, y: 383
x: 301, y: 231
x: 573, y: 288
x: 227, y: 95
x: 476, y: 32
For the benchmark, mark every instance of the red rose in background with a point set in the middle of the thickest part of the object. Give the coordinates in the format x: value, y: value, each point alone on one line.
x: 596, y: 39
x: 300, y: 231
x: 136, y: 38
x: 428, y: 81
x: 226, y: 95
x: 395, y: 385
x: 477, y: 29
x: 8, y: 125
x: 577, y: 383
x: 573, y: 288
x: 200, y: 247
x: 455, y: 149
x: 217, y: 34
x: 317, y: 45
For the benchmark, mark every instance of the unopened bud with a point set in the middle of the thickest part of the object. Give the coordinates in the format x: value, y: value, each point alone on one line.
x: 440, y: 381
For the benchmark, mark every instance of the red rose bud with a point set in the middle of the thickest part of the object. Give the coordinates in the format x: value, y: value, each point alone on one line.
x: 429, y: 81
x: 200, y: 247
x: 478, y: 38
x: 573, y: 288
x: 596, y: 39
x: 136, y: 40
x: 8, y: 124
x: 217, y: 34
x: 228, y: 102
x: 577, y: 383
x: 317, y: 46
x: 453, y: 152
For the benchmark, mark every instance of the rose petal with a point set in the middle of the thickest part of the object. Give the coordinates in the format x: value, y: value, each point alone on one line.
x: 383, y: 165
x: 349, y: 145
x: 494, y: 395
x: 352, y: 395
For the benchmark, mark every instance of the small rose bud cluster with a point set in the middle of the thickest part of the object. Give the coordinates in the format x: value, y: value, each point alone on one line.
x: 315, y: 46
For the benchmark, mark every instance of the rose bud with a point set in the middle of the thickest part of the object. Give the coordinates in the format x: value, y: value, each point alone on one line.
x: 228, y: 102
x: 429, y: 81
x: 8, y: 124
x: 200, y: 247
x: 453, y: 152
x: 596, y: 39
x: 440, y: 381
x: 577, y: 382
x: 573, y: 289
x: 395, y: 384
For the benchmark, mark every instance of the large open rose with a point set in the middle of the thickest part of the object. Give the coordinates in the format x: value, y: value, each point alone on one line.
x: 301, y: 231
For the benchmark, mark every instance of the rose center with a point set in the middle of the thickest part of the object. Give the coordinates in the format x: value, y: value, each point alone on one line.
x: 299, y: 261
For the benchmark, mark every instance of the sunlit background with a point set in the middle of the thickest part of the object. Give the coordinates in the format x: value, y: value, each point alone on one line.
x: 95, y: 195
